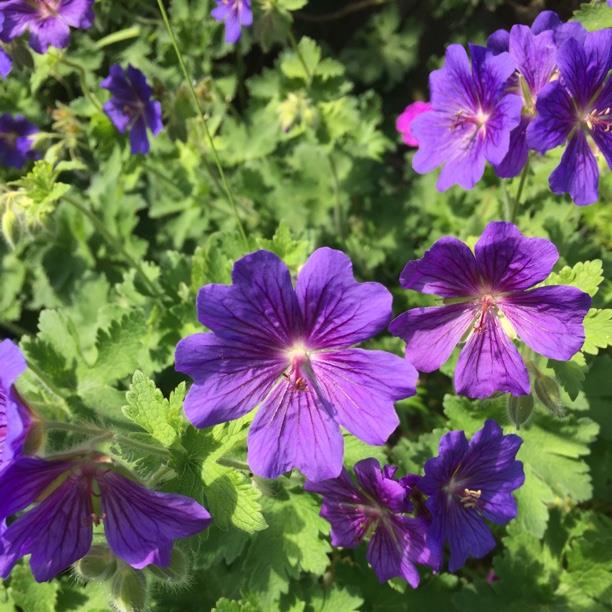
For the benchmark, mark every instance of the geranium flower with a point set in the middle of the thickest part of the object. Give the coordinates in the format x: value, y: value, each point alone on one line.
x: 487, y: 292
x: 131, y: 107
x: 471, y: 119
x: 376, y: 505
x: 16, y: 141
x: 575, y: 110
x: 404, y: 121
x: 47, y: 21
x: 15, y: 418
x: 235, y: 14
x: 469, y: 482
x: 288, y: 352
x: 69, y: 497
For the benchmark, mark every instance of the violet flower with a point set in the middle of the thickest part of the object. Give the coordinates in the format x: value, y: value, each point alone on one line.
x: 6, y: 63
x: 403, y: 123
x: 15, y: 418
x: 235, y: 14
x: 69, y: 497
x: 47, y: 21
x: 471, y: 118
x: 469, y: 482
x: 481, y: 288
x: 376, y: 504
x: 576, y: 110
x: 131, y: 107
x: 287, y: 351
x: 16, y: 141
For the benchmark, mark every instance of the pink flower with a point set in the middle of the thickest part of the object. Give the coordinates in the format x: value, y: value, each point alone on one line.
x: 404, y: 121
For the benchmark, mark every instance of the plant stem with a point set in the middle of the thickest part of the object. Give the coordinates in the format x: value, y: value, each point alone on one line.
x: 115, y: 244
x: 194, y: 95
x: 74, y: 428
x: 234, y: 463
x: 83, y: 81
x: 519, y: 193
x: 14, y: 328
x: 347, y: 10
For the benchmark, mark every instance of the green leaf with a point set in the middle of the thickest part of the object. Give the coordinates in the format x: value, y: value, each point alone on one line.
x: 598, y: 330
x: 570, y: 374
x: 29, y: 595
x: 585, y: 275
x: 292, y: 5
x: 231, y: 605
x: 595, y: 15
x: 307, y: 63
x: 148, y: 408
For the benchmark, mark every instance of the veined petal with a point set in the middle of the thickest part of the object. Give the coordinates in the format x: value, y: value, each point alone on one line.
x: 141, y: 524
x: 535, y: 56
x: 432, y: 333
x: 139, y: 140
x: 49, y: 32
x: 337, y: 310
x: 260, y: 308
x: 77, y: 13
x: 294, y: 429
x: 13, y: 363
x: 362, y: 387
x: 518, y: 152
x: 230, y: 378
x: 380, y: 485
x: 438, y: 470
x: 490, y: 363
x: 509, y: 261
x: 549, y: 319
x: 555, y: 118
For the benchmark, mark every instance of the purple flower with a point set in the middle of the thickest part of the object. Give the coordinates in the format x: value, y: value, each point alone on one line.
x: 404, y: 121
x: 15, y: 418
x: 576, y: 109
x: 47, y: 21
x: 469, y: 482
x: 487, y: 293
x: 235, y: 14
x: 72, y: 495
x: 6, y: 64
x: 16, y: 141
x: 131, y: 107
x: 471, y: 118
x: 288, y: 352
x: 376, y: 504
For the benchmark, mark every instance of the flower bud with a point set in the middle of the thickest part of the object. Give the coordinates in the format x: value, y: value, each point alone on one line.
x: 98, y: 565
x: 520, y: 409
x: 548, y: 393
x: 177, y: 573
x: 129, y: 590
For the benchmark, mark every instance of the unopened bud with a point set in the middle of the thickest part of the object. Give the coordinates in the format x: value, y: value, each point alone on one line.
x: 98, y: 565
x: 520, y: 409
x: 549, y: 394
x: 129, y: 590
x: 176, y: 573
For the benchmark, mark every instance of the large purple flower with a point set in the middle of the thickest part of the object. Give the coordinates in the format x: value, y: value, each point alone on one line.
x: 15, y: 419
x: 16, y: 141
x: 72, y: 495
x: 469, y: 482
x: 575, y: 109
x: 235, y: 14
x: 131, y: 107
x: 471, y: 118
x: 487, y: 292
x: 377, y: 505
x: 288, y: 351
x: 47, y: 21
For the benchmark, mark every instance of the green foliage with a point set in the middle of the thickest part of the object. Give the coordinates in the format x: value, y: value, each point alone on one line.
x: 594, y: 15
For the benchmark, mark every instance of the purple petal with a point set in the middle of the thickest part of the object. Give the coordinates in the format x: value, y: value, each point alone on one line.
x: 115, y: 109
x: 141, y: 525
x: 447, y: 269
x: 378, y: 485
x: 499, y: 41
x: 535, y: 56
x: 56, y: 533
x: 577, y: 173
x: 294, y: 429
x: 549, y: 319
x: 500, y: 125
x: 260, y: 308
x: 432, y: 333
x: 138, y: 83
x: 338, y: 311
x: 50, y: 32
x: 230, y: 378
x: 13, y: 363
x: 490, y: 363
x: 77, y: 13
x: 452, y: 449
x: 362, y: 386
x: 153, y: 116
x: 6, y: 64
x: 508, y: 261
x: 139, y: 141
x: 546, y: 20
x: 232, y: 29
x: 518, y: 152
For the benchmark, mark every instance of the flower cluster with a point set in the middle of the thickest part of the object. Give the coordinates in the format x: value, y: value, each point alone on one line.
x: 533, y: 88
x: 413, y: 519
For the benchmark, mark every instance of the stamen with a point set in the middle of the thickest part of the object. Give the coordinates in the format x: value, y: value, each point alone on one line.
x: 470, y: 498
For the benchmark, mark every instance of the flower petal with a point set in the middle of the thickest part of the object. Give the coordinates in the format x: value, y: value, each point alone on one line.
x: 535, y: 56
x: 438, y: 470
x: 362, y: 386
x: 432, y: 333
x: 447, y: 269
x: 489, y: 363
x: 13, y: 363
x: 294, y: 429
x: 139, y: 140
x: 339, y: 311
x: 549, y: 319
x: 509, y: 261
x: 260, y: 308
x: 230, y: 378
x: 391, y: 493
x: 518, y: 152
x: 77, y: 13
x: 50, y: 32
x: 141, y: 524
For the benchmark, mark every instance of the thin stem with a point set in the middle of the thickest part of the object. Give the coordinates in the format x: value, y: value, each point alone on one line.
x: 338, y: 212
x: 347, y: 10
x: 194, y: 95
x: 14, y: 328
x: 143, y: 446
x: 519, y: 193
x: 83, y: 81
x: 234, y: 463
x: 74, y: 428
x: 115, y: 244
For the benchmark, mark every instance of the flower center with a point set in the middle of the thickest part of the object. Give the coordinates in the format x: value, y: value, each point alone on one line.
x: 478, y: 119
x: 599, y: 119
x: 46, y: 8
x: 298, y: 357
x: 487, y: 304
x: 470, y: 498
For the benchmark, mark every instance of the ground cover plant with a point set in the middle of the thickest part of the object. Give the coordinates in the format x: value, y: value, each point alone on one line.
x: 305, y: 306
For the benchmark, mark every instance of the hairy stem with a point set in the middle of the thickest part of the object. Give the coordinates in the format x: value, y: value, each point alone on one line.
x: 519, y: 193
